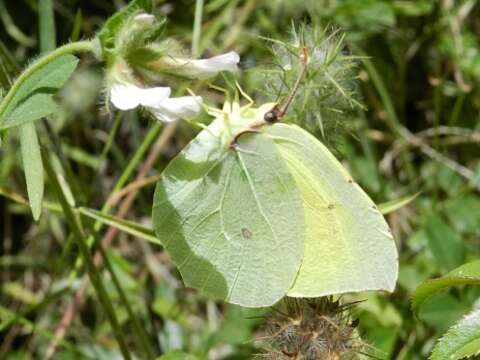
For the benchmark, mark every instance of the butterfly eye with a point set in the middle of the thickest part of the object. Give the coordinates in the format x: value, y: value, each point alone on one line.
x: 270, y: 117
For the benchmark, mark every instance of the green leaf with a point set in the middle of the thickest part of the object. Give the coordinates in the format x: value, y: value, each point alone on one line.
x: 383, y: 340
x: 444, y: 243
x: 33, y: 99
x: 463, y: 275
x: 461, y: 340
x: 364, y: 17
x: 413, y: 8
x: 129, y: 227
x: 48, y: 40
x: 442, y: 311
x: 177, y: 355
x: 35, y: 107
x: 348, y: 244
x: 33, y: 167
x: 393, y: 205
x: 464, y: 213
x: 231, y: 218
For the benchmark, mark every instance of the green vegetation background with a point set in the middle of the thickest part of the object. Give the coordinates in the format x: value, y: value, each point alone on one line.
x: 419, y: 81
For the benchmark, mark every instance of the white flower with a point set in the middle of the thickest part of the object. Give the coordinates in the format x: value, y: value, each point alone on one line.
x: 128, y: 96
x: 202, y: 68
x: 156, y: 100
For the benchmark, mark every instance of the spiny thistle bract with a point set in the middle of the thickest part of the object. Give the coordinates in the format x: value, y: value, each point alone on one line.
x: 311, y: 329
x: 327, y: 94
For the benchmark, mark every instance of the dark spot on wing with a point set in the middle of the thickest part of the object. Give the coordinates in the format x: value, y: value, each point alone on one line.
x: 247, y: 234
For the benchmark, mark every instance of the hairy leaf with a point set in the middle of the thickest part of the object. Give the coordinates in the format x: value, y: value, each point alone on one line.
x: 231, y: 218
x: 33, y: 167
x: 348, y: 244
x: 463, y: 275
x: 461, y: 340
x: 33, y: 99
x: 34, y: 108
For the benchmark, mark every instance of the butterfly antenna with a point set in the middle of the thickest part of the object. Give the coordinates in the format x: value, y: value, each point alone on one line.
x: 301, y: 75
x: 284, y: 84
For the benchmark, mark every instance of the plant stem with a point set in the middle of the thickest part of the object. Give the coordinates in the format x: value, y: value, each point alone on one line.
x: 140, y: 332
x: 137, y: 157
x: 87, y: 258
x: 392, y: 120
x: 197, y: 27
x: 126, y: 174
x: 75, y: 47
x: 46, y: 21
x: 111, y: 135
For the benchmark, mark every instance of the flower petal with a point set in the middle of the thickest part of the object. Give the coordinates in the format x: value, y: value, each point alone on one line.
x: 124, y: 96
x: 202, y: 68
x: 129, y: 96
x: 210, y: 67
x: 152, y: 96
x: 172, y: 109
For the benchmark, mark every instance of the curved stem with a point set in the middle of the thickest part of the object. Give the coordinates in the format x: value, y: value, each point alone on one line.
x: 75, y: 47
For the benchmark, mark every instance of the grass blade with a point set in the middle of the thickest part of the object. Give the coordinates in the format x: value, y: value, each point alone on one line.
x: 129, y: 227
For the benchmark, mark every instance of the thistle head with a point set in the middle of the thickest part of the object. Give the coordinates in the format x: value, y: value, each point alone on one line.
x: 312, y: 329
x: 328, y: 90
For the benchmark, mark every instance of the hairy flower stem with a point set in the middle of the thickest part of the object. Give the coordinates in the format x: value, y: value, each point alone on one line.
x: 71, y: 48
x: 87, y: 258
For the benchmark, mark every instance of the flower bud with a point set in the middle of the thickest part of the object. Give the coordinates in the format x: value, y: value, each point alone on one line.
x: 144, y: 20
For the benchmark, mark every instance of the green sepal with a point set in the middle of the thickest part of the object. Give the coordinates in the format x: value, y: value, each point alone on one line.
x: 107, y: 35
